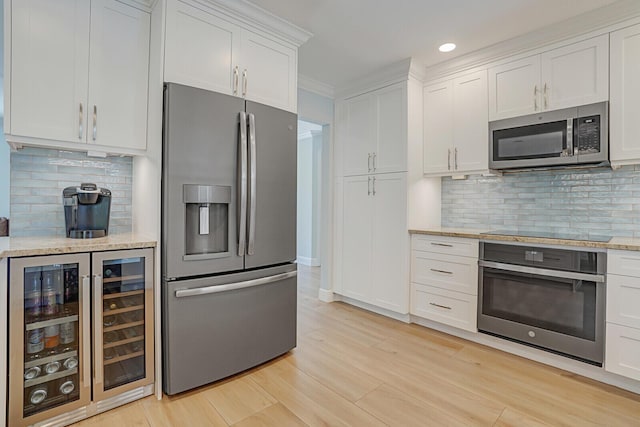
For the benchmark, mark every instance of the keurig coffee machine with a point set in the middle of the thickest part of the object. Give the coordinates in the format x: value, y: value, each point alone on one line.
x: 86, y: 211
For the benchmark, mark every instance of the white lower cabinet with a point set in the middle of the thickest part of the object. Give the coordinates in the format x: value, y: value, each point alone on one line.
x: 374, y: 241
x: 444, y: 280
x: 622, y: 352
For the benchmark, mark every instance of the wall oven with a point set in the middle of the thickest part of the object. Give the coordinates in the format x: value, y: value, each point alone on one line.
x: 548, y: 298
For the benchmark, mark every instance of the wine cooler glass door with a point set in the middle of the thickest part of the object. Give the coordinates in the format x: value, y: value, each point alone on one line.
x: 123, y: 319
x: 49, y: 337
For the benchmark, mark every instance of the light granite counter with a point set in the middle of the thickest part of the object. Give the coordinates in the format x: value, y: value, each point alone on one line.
x: 52, y: 245
x: 621, y: 243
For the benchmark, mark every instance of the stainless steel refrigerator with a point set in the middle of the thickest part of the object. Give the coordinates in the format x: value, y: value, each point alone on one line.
x: 228, y: 235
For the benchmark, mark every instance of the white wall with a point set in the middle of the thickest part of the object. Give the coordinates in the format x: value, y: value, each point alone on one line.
x: 4, y: 172
x: 309, y: 193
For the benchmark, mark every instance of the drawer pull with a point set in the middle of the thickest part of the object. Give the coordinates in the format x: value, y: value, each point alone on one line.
x: 441, y: 271
x: 440, y: 306
x: 442, y: 244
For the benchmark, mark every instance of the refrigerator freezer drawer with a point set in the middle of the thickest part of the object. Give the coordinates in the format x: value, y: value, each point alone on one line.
x: 210, y: 334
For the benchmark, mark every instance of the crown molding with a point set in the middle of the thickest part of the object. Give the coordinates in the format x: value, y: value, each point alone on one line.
x: 254, y: 16
x: 617, y: 15
x: 385, y: 76
x: 315, y: 86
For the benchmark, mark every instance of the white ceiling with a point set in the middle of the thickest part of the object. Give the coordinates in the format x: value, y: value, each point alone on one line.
x: 354, y: 37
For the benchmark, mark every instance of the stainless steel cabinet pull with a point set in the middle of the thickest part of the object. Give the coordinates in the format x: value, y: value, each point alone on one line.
x: 252, y: 184
x: 242, y: 185
x: 369, y: 163
x: 374, y: 162
x: 374, y: 186
x: 95, y: 122
x: 545, y: 96
x: 535, y: 98
x: 455, y: 158
x: 442, y: 244
x: 236, y: 77
x: 441, y: 271
x: 244, y: 83
x: 80, y: 122
x: 86, y: 330
x: 368, y: 186
x: 449, y: 159
x: 440, y: 306
x: 181, y: 293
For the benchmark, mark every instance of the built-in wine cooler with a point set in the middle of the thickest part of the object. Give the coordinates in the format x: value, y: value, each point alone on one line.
x: 81, y: 331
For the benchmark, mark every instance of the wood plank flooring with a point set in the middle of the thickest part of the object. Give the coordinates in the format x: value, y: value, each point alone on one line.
x: 355, y: 368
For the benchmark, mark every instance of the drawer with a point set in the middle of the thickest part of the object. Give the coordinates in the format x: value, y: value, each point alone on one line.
x: 622, y: 354
x: 623, y: 300
x: 450, y: 308
x: 453, y: 273
x: 445, y: 245
x: 625, y: 263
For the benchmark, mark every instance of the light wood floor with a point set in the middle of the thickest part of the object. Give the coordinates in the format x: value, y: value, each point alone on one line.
x: 355, y: 368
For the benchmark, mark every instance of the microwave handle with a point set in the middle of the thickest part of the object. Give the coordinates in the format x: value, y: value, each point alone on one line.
x: 570, y: 150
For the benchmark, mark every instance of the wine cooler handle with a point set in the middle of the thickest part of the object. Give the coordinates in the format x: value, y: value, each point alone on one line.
x: 85, y: 381
x: 97, y: 324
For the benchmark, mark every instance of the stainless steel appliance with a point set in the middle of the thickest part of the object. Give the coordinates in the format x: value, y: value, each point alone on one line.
x: 80, y: 334
x: 86, y: 211
x: 228, y: 235
x: 570, y: 136
x: 545, y: 297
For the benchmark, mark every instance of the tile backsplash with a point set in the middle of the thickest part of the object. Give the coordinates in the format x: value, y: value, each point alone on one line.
x: 38, y: 177
x: 596, y: 201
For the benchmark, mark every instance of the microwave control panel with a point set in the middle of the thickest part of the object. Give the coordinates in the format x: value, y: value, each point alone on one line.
x: 588, y: 130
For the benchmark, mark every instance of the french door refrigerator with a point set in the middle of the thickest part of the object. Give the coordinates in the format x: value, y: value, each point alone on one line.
x: 228, y: 235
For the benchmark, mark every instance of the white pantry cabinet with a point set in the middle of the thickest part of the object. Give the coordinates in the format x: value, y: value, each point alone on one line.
x: 374, y: 131
x: 79, y: 74
x: 374, y: 240
x: 209, y: 50
x: 455, y: 139
x: 568, y: 76
x: 624, y: 107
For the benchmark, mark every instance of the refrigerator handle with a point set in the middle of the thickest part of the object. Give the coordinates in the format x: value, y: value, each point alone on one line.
x: 97, y: 324
x: 85, y: 298
x: 242, y: 185
x: 252, y: 184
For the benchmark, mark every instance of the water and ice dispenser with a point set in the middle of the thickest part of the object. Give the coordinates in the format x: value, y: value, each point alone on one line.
x: 206, y: 221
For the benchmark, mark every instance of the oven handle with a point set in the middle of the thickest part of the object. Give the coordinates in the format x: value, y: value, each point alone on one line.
x: 598, y: 278
x: 181, y: 293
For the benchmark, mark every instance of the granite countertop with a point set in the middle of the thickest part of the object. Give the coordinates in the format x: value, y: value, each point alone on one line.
x: 52, y: 245
x: 621, y: 243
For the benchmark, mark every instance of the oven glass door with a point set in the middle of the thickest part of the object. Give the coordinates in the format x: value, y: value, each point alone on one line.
x: 532, y: 142
x: 566, y: 306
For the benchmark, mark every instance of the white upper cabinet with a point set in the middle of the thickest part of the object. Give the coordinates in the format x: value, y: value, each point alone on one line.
x: 211, y: 51
x: 571, y: 75
x: 374, y: 132
x: 456, y: 125
x: 118, y: 75
x: 624, y: 108
x: 49, y: 69
x: 79, y: 75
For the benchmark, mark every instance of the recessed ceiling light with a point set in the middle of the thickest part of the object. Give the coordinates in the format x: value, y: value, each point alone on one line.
x: 447, y: 47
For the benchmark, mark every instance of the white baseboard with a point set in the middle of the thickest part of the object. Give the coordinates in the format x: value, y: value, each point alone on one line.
x: 325, y: 295
x: 311, y: 262
x: 372, y: 308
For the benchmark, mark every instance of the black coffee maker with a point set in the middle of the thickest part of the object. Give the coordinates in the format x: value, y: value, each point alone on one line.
x: 86, y: 211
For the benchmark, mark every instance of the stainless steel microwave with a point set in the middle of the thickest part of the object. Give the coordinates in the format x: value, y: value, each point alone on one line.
x: 571, y: 136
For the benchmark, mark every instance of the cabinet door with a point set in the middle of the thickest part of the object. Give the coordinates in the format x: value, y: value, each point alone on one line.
x: 123, y: 321
x: 514, y: 88
x: 470, y: 123
x: 438, y: 128
x: 118, y: 75
x: 49, y: 69
x: 200, y: 49
x: 390, y: 284
x: 268, y: 72
x: 49, y: 339
x: 576, y: 74
x: 624, y: 108
x: 390, y: 106
x: 356, y: 238
x: 359, y: 143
